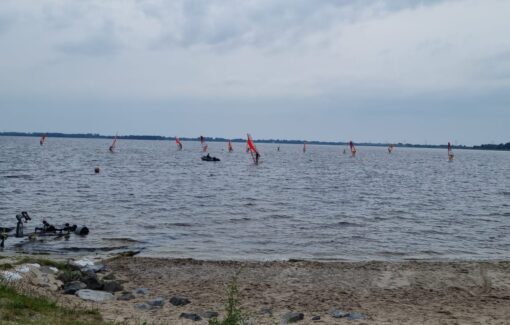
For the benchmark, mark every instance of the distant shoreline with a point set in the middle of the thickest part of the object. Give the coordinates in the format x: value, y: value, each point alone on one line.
x: 496, y: 147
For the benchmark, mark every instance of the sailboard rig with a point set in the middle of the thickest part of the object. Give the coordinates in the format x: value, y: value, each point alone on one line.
x: 304, y: 146
x: 112, y: 147
x: 252, y: 149
x: 450, y: 152
x: 178, y: 142
x: 229, y: 146
x: 43, y: 138
x: 203, y: 144
x: 353, y: 149
x: 390, y: 148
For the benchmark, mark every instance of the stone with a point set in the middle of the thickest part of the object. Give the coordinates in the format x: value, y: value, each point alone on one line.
x: 179, y: 301
x: 90, y: 279
x: 141, y: 291
x: 266, y: 310
x: 142, y: 306
x: 126, y: 296
x: 109, y: 276
x: 112, y: 286
x: 82, y: 263
x: 70, y: 288
x: 94, y: 268
x: 355, y: 316
x: 94, y: 295
x: 156, y: 303
x: 210, y: 314
x: 316, y: 318
x: 10, y: 276
x: 336, y: 313
x: 292, y: 317
x: 191, y: 316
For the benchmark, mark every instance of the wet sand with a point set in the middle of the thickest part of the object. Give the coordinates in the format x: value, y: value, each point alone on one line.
x: 413, y: 292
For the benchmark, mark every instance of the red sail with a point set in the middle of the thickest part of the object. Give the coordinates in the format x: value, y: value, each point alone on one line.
x: 304, y: 146
x: 178, y: 142
x: 230, y: 148
x: 251, y: 145
x: 449, y: 147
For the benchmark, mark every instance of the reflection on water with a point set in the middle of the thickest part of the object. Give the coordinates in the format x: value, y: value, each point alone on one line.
x: 320, y: 204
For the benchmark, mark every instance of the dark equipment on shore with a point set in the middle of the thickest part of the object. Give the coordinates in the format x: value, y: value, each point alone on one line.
x: 23, y: 217
x: 46, y: 229
x: 209, y: 158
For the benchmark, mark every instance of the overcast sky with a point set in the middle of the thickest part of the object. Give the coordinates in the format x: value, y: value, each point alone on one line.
x: 373, y: 70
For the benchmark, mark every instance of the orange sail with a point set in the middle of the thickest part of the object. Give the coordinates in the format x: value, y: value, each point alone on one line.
x: 43, y: 138
x: 253, y: 150
x: 178, y: 142
x: 230, y: 148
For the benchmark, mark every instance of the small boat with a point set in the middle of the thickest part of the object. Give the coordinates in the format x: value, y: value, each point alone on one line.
x: 210, y: 158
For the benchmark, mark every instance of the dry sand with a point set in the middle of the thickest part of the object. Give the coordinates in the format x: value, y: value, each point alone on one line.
x: 414, y: 292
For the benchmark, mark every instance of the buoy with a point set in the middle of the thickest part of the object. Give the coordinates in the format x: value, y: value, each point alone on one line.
x: 97, y: 170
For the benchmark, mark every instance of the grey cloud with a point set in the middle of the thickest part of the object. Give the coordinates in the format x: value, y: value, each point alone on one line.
x: 262, y: 23
x: 100, y: 43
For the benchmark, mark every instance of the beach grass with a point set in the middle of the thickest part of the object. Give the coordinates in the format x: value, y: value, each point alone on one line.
x: 235, y: 315
x: 20, y: 308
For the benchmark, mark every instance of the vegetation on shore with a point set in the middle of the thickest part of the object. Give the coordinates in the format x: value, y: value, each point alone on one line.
x: 501, y: 146
x: 21, y: 308
x: 234, y: 316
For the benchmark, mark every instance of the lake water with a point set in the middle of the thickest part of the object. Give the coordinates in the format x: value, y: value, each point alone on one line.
x: 315, y: 205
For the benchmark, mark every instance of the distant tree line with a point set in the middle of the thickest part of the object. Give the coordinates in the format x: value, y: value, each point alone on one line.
x: 219, y: 139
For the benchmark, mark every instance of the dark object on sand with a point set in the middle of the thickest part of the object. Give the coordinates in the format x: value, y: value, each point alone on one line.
x: 209, y: 158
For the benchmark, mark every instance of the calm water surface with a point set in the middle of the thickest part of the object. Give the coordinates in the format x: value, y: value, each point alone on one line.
x: 316, y: 205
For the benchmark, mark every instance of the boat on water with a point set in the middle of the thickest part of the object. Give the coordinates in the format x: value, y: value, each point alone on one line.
x: 210, y: 158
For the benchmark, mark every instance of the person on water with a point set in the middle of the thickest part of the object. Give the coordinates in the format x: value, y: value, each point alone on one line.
x: 257, y: 156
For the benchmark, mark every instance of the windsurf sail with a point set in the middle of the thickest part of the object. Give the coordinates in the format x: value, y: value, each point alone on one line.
x: 178, y: 142
x: 230, y: 147
x: 304, y: 146
x: 390, y: 148
x: 450, y: 152
x: 253, y: 150
x: 43, y: 138
x: 112, y: 147
x: 204, y: 145
x: 353, y: 148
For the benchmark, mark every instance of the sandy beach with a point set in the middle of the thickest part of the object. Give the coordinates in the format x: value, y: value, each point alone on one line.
x: 410, y: 292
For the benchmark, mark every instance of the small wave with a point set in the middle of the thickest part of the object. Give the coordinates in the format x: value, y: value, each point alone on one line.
x: 19, y: 176
x: 180, y: 224
x: 348, y: 224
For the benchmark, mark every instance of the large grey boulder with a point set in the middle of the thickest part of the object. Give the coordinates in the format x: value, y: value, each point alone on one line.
x: 70, y: 288
x: 94, y: 295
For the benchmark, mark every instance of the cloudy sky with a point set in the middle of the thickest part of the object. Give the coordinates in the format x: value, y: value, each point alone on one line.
x: 372, y: 70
